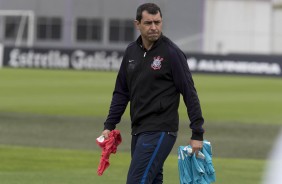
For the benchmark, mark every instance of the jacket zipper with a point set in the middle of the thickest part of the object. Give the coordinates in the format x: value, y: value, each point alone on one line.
x: 139, y: 76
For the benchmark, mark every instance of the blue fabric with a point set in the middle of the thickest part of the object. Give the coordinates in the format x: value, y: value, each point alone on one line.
x: 152, y: 158
x: 149, y: 150
x: 196, y: 169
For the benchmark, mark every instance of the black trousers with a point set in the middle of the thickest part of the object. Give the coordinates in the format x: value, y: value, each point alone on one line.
x: 149, y: 151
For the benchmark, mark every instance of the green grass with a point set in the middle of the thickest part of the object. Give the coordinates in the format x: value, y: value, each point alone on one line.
x: 80, y: 93
x: 53, y: 166
x: 55, y: 92
x: 228, y: 139
x: 240, y: 99
x: 49, y: 120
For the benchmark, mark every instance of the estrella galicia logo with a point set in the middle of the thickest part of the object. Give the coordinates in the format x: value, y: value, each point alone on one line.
x: 157, y: 63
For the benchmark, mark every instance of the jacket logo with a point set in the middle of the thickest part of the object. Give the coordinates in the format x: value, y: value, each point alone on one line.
x: 157, y: 63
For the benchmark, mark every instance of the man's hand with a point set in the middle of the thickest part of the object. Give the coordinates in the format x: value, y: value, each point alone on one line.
x: 106, y: 133
x: 196, y: 145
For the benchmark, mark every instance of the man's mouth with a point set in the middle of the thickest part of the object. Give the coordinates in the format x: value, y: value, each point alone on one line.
x: 153, y: 34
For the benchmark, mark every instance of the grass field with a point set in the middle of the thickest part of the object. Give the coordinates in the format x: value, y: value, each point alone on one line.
x: 21, y: 165
x: 49, y: 120
x: 78, y: 93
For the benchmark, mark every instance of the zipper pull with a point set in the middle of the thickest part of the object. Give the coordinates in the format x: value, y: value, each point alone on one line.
x: 145, y: 54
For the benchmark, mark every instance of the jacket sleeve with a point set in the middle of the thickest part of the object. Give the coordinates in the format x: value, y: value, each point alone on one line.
x: 185, y: 85
x: 120, y: 99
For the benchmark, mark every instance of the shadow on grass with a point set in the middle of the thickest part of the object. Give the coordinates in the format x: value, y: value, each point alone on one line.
x: 228, y: 139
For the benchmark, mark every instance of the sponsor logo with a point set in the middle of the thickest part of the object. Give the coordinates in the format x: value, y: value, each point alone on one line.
x: 233, y: 66
x: 76, y: 59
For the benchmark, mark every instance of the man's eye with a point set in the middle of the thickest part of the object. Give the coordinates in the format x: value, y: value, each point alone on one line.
x: 153, y: 22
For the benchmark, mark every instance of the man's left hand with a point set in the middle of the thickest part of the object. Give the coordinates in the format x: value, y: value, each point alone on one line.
x: 196, y: 145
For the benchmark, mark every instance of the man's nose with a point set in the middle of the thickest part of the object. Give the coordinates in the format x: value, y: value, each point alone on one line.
x: 153, y: 26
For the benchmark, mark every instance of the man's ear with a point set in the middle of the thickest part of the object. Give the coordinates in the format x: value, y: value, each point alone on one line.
x: 136, y: 23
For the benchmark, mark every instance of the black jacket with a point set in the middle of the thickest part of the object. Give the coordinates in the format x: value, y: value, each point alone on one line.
x: 152, y: 81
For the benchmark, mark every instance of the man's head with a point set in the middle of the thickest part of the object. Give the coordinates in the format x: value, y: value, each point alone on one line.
x: 149, y: 21
x: 151, y: 8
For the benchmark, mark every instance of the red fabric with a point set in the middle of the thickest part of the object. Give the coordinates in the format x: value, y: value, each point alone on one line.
x: 108, y: 146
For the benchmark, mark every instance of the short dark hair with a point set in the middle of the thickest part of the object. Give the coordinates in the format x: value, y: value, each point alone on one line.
x: 151, y: 8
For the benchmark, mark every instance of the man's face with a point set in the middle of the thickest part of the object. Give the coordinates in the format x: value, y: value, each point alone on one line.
x: 150, y: 26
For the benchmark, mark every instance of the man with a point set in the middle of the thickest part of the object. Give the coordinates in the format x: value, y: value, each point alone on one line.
x: 153, y: 74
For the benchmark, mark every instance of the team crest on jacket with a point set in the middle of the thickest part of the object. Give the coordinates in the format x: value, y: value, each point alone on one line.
x: 157, y: 63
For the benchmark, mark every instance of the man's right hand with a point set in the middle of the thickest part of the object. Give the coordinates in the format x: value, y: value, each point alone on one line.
x: 106, y: 133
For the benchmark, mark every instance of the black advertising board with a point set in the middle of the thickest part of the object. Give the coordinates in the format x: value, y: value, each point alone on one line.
x: 236, y: 64
x: 78, y: 59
